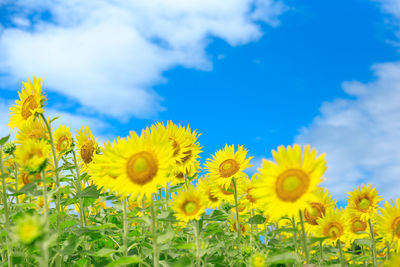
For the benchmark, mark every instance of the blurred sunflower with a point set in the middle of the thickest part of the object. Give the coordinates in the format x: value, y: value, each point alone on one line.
x: 290, y: 184
x: 32, y: 154
x: 32, y: 129
x: 258, y: 260
x: 244, y: 227
x: 189, y: 204
x: 27, y: 229
x: 388, y: 224
x: 212, y: 200
x: 62, y: 139
x: 364, y: 201
x: 227, y: 164
x: 358, y: 228
x: 334, y: 225
x: 87, y: 147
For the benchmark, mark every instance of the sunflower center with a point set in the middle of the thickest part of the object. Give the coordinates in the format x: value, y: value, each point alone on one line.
x: 292, y: 184
x: 37, y: 134
x: 358, y: 226
x: 316, y: 211
x: 396, y: 226
x: 211, y: 197
x: 175, y: 145
x: 87, y: 151
x: 27, y: 107
x: 141, y: 168
x: 190, y: 207
x: 35, y: 153
x: 364, y: 203
x: 228, y: 168
x: 334, y: 230
x: 226, y: 192
x: 188, y: 155
x: 62, y: 143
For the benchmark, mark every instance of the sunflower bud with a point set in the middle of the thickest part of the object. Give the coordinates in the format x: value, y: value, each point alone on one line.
x: 9, y: 148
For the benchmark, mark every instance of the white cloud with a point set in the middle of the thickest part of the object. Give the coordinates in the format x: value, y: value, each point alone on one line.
x: 108, y: 54
x: 361, y: 135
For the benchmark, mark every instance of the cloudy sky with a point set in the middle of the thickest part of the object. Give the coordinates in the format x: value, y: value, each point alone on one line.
x: 260, y: 73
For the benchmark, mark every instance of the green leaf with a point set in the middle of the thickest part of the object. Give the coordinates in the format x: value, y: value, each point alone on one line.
x: 125, y: 261
x: 105, y: 252
x: 28, y: 188
x: 90, y: 191
x: 165, y: 237
x: 66, y: 224
x: 70, y: 245
x: 363, y: 242
x: 287, y: 257
x: 4, y: 139
x: 81, y: 263
x: 257, y: 219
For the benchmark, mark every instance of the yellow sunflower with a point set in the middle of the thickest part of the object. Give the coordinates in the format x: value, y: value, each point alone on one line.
x: 317, y: 209
x: 189, y: 163
x: 249, y: 200
x: 32, y: 154
x: 27, y: 229
x: 358, y: 228
x: 258, y: 260
x: 135, y: 166
x: 364, y: 201
x: 334, y: 225
x: 244, y: 227
x: 31, y: 103
x: 32, y: 129
x: 290, y: 184
x: 62, y: 139
x: 227, y: 164
x: 189, y: 204
x: 227, y: 194
x: 388, y: 224
x: 205, y: 188
x: 87, y: 147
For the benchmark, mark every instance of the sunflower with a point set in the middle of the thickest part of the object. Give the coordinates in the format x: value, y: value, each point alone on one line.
x: 249, y: 200
x: 27, y: 229
x: 30, y: 104
x: 364, y: 201
x: 32, y: 154
x: 205, y: 188
x: 189, y: 163
x: 87, y: 147
x: 244, y: 227
x: 227, y: 194
x: 388, y: 224
x: 334, y: 225
x: 189, y: 205
x: 227, y: 164
x: 258, y: 260
x: 62, y: 139
x: 394, y: 261
x: 317, y: 209
x: 290, y: 184
x: 358, y: 228
x: 135, y: 166
x: 32, y: 129
x: 25, y: 177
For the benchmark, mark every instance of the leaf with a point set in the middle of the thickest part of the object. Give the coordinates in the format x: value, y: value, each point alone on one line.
x: 363, y: 241
x: 90, y: 191
x: 105, y: 252
x: 70, y: 245
x: 165, y: 237
x: 287, y: 257
x: 28, y: 188
x: 66, y: 224
x: 4, y: 139
x: 257, y: 219
x: 81, y: 263
x: 125, y: 261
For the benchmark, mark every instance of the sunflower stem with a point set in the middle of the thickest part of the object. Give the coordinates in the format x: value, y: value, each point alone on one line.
x: 321, y: 253
x: 16, y: 180
x: 238, y: 228
x: 82, y: 211
x: 58, y: 197
x: 339, y: 244
x: 387, y: 251
x: 265, y: 234
x: 198, y: 242
x: 5, y: 204
x: 373, y: 244
x: 154, y: 233
x: 252, y: 228
x: 303, y: 237
x: 296, y: 246
x: 125, y: 226
x: 44, y: 248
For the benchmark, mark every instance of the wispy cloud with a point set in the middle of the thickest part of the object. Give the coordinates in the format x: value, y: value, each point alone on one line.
x: 361, y: 136
x: 107, y: 55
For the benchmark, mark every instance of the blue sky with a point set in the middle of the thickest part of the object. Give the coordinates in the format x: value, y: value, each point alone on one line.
x: 259, y: 73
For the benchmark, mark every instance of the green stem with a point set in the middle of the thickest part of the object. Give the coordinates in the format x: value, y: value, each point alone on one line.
x: 198, y: 242
x: 82, y: 211
x: 58, y: 198
x: 16, y: 180
x: 166, y: 197
x: 7, y: 218
x: 154, y: 234
x: 45, y: 252
x: 265, y: 234
x: 321, y: 252
x: 238, y: 228
x: 303, y: 237
x: 295, y: 235
x: 387, y: 251
x: 373, y: 244
x: 125, y: 226
x: 342, y: 263
x: 252, y: 228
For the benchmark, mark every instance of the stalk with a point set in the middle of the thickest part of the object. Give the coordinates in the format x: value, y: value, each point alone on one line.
x: 321, y: 249
x: 58, y: 198
x: 125, y: 226
x: 373, y: 245
x: 238, y: 228
x: 16, y: 180
x: 7, y: 218
x: 295, y: 235
x: 342, y: 263
x: 265, y: 234
x: 154, y: 233
x: 45, y: 252
x: 387, y: 251
x: 198, y: 242
x: 82, y: 212
x: 251, y: 228
x: 303, y: 238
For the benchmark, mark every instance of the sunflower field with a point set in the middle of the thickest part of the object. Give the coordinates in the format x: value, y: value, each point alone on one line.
x: 148, y: 200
